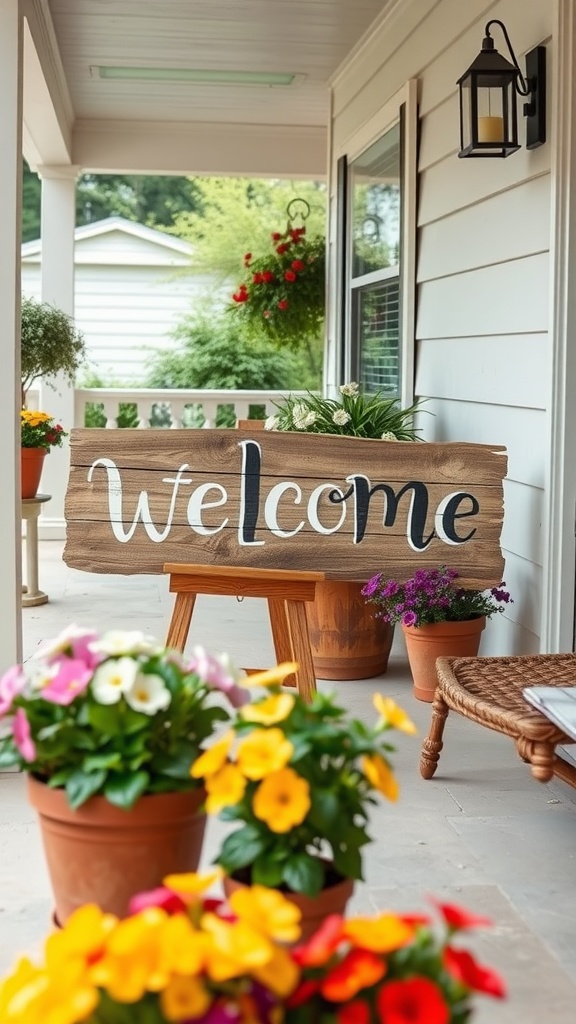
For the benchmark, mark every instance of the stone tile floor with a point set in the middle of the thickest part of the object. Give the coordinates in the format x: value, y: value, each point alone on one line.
x: 482, y: 832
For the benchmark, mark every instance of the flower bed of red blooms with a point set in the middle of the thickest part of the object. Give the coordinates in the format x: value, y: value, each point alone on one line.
x: 283, y: 294
x: 391, y: 969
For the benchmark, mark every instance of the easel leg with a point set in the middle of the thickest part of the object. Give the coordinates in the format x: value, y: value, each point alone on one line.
x: 281, y: 634
x: 180, y: 621
x: 301, y: 650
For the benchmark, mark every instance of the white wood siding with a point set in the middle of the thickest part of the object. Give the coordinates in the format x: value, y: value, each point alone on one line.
x: 129, y: 296
x: 483, y: 358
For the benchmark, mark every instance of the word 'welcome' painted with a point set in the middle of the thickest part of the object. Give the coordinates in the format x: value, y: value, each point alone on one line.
x: 344, y: 506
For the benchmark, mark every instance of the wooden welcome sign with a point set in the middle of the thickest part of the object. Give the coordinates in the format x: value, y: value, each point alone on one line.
x: 341, y: 505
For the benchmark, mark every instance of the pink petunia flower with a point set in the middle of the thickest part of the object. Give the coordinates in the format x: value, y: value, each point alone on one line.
x: 71, y: 679
x: 22, y: 735
x: 220, y: 674
x: 11, y: 684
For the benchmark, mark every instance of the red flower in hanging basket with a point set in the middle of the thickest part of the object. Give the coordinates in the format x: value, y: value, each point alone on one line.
x: 289, y: 275
x: 283, y: 304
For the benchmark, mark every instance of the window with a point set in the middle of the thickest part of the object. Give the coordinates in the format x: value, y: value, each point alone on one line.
x: 376, y: 248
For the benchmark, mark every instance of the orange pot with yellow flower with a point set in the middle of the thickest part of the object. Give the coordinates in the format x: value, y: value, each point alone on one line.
x: 298, y: 779
x: 38, y: 434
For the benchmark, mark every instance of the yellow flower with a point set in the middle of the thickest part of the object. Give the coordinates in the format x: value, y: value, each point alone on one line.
x: 262, y: 752
x: 224, y: 789
x: 184, y: 998
x: 235, y: 948
x: 83, y: 936
x: 212, y: 760
x: 393, y: 715
x: 280, y: 975
x: 272, y: 677
x: 131, y: 959
x: 282, y: 800
x: 380, y: 775
x: 269, y: 711
x: 268, y: 911
x: 190, y: 883
x: 381, y: 934
x: 34, y: 995
x: 181, y: 950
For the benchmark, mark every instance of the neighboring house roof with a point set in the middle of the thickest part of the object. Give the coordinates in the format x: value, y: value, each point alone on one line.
x: 120, y: 241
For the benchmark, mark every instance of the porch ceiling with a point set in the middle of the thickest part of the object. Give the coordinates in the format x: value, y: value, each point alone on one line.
x: 103, y: 120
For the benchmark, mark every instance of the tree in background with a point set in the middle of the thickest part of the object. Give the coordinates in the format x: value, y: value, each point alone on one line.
x: 214, y: 354
x: 154, y: 200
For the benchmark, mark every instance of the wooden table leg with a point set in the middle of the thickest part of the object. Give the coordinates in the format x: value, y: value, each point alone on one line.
x: 281, y: 634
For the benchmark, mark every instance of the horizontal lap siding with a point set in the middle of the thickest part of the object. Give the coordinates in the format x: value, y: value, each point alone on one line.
x: 482, y: 347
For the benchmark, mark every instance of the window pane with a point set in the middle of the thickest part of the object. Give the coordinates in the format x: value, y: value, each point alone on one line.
x: 375, y: 187
x: 379, y: 336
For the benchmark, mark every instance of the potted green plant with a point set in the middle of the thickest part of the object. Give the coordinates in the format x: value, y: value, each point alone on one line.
x: 106, y: 728
x: 50, y: 343
x: 348, y: 641
x: 299, y: 779
x: 38, y: 434
x: 438, y: 618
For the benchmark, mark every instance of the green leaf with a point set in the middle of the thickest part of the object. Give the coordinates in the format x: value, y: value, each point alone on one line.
x: 347, y: 860
x: 80, y: 786
x: 9, y: 757
x: 325, y: 810
x: 241, y: 848
x: 176, y: 764
x: 304, y: 873
x: 123, y: 788
x: 266, y: 871
x: 105, y: 718
x: 95, y: 761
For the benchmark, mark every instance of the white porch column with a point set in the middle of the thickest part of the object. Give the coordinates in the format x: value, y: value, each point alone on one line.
x: 10, y: 190
x: 58, y: 221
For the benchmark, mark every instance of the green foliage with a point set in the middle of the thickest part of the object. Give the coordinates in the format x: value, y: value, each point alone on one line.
x: 39, y: 430
x: 94, y: 415
x: 282, y: 296
x: 312, y: 763
x: 215, y: 354
x: 353, y: 414
x: 50, y: 343
x: 118, y: 716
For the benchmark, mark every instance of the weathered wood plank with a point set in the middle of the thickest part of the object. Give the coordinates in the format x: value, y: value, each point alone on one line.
x: 344, y: 506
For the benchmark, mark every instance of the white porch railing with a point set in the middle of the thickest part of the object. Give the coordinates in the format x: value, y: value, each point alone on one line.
x: 173, y: 408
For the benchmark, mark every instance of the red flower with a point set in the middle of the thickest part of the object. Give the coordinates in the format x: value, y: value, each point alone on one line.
x: 306, y: 989
x: 247, y: 259
x: 276, y: 236
x: 297, y: 265
x: 281, y: 249
x: 355, y: 1013
x: 359, y: 969
x: 415, y: 1001
x: 283, y: 304
x: 469, y: 972
x: 267, y: 276
x: 241, y: 295
x: 296, y: 234
x: 458, y: 918
x: 322, y: 945
x: 289, y: 275
x: 257, y: 278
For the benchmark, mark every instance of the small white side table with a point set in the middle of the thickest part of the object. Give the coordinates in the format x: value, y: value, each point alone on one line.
x: 31, y: 508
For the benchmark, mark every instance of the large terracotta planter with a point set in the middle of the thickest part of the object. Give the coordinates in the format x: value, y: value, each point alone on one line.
x: 102, y: 854
x: 314, y: 909
x: 424, y: 644
x: 348, y: 641
x: 32, y: 462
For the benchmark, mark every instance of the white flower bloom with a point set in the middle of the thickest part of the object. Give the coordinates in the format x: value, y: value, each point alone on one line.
x: 38, y: 676
x: 309, y: 419
x: 149, y: 694
x: 62, y: 642
x: 350, y: 389
x: 388, y: 435
x: 341, y: 417
x: 271, y: 423
x: 129, y: 642
x: 113, y: 678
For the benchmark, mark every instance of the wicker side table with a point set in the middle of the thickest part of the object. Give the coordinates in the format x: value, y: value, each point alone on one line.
x: 489, y: 691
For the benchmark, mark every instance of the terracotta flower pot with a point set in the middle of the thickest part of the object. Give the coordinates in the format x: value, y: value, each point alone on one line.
x: 314, y: 909
x: 102, y: 854
x: 424, y: 644
x: 347, y: 640
x: 32, y: 461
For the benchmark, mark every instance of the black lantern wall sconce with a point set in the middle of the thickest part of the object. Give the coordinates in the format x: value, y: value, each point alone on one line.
x: 488, y: 103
